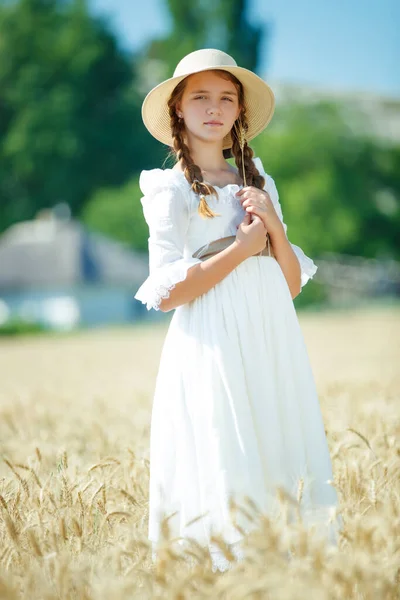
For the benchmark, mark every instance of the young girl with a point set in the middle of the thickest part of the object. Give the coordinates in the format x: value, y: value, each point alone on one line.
x: 235, y: 410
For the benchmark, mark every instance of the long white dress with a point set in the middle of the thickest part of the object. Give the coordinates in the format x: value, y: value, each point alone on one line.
x: 235, y: 410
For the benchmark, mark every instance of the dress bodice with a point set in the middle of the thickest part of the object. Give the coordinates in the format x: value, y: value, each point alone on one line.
x: 200, y: 230
x: 177, y: 229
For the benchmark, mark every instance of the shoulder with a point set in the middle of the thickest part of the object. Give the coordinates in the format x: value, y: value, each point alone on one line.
x: 165, y: 195
x: 153, y: 181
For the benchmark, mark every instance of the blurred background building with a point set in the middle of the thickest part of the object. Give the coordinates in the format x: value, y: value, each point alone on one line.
x: 55, y: 272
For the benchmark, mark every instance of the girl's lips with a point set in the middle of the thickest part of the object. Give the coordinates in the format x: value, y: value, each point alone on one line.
x: 214, y: 124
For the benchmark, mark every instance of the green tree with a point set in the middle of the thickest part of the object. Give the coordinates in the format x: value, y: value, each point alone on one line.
x: 70, y: 116
x: 118, y: 214
x: 222, y: 24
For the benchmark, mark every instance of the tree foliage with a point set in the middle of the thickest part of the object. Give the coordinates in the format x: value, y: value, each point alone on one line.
x: 222, y: 24
x: 69, y: 113
x: 118, y: 214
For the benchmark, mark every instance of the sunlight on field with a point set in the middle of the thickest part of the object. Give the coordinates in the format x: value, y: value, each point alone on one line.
x: 74, y: 441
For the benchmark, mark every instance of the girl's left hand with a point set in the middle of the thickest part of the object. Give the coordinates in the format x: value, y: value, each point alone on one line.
x: 257, y: 202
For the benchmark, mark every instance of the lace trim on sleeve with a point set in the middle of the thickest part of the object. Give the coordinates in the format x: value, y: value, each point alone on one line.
x: 159, y: 284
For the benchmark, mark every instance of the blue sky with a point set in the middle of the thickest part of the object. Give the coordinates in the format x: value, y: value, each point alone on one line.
x: 351, y: 45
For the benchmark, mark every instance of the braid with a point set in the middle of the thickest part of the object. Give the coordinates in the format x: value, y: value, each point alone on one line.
x: 253, y: 176
x: 191, y: 171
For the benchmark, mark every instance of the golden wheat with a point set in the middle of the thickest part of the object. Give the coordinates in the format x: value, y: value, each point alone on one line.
x: 74, y: 434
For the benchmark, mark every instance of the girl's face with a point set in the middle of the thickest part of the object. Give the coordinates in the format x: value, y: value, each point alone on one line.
x: 208, y: 98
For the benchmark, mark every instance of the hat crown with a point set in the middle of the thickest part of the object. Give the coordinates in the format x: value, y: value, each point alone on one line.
x: 203, y: 59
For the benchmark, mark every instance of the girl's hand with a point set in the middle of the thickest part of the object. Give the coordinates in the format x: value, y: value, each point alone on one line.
x: 257, y: 202
x: 251, y: 235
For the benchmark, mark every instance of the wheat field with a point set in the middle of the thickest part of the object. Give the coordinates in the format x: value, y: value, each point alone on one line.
x: 74, y: 440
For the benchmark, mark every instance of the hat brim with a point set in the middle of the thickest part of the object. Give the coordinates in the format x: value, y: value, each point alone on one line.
x: 259, y: 101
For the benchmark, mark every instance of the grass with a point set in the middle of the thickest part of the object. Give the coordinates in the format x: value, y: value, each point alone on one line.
x: 74, y: 471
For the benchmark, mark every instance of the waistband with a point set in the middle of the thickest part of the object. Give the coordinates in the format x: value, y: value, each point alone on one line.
x: 221, y: 243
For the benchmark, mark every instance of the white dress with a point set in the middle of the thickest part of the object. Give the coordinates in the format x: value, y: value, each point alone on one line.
x: 235, y: 410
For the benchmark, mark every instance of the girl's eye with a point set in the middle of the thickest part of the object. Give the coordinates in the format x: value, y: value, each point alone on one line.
x: 224, y: 98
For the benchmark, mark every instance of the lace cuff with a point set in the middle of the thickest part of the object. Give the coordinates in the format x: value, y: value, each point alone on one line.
x: 162, y: 280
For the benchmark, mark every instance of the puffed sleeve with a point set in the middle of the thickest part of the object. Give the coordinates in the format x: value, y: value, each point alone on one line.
x: 308, y: 267
x: 166, y: 211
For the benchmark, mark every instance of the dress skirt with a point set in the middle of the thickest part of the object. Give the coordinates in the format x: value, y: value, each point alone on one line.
x: 236, y: 411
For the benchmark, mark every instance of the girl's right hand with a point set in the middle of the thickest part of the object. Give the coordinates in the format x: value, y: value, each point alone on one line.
x: 251, y: 235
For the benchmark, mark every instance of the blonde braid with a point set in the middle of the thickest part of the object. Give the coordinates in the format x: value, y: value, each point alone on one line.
x: 253, y: 176
x: 191, y: 171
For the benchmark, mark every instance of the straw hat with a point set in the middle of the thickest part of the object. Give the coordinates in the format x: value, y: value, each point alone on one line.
x: 259, y: 98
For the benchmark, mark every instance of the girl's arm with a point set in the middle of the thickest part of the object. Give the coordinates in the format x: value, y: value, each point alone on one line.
x: 202, y: 277
x: 283, y: 254
x: 283, y: 250
x: 250, y: 239
x: 287, y: 260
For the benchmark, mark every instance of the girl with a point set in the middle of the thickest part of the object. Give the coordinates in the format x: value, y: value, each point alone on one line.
x: 235, y: 410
